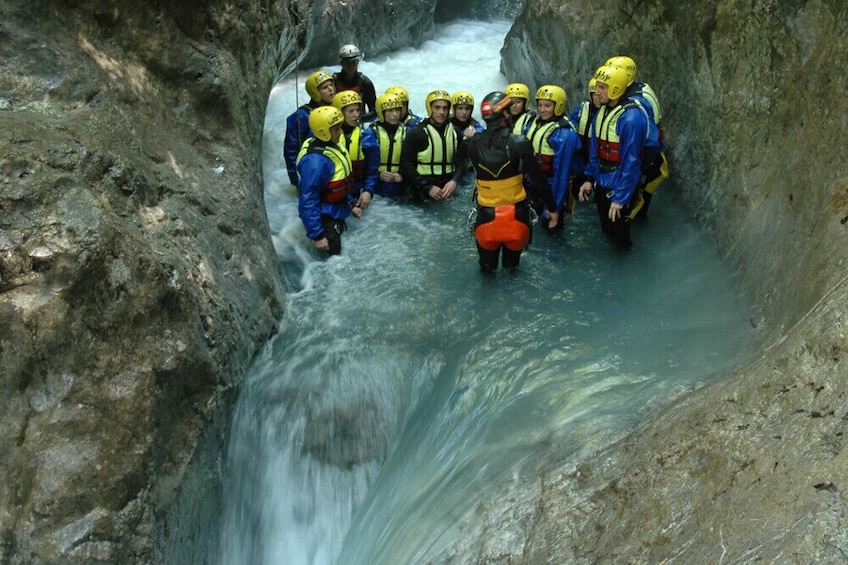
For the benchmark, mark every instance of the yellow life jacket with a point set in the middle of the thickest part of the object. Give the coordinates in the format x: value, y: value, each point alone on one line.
x: 341, y: 183
x: 389, y: 146
x: 353, y: 143
x: 583, y: 119
x: 644, y: 89
x: 501, y: 192
x: 538, y: 134
x: 522, y: 123
x: 437, y: 158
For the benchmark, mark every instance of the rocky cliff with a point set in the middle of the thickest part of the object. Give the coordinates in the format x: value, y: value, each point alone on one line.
x: 137, y: 277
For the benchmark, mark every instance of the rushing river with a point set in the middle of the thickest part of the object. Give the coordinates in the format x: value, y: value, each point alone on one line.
x: 403, y: 387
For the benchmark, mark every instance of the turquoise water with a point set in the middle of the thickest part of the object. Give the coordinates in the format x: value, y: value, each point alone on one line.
x: 404, y: 387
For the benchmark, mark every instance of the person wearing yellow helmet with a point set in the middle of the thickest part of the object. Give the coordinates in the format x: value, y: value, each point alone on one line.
x: 407, y: 117
x: 556, y: 146
x: 616, y: 148
x: 502, y: 161
x: 350, y: 78
x: 462, y: 104
x: 655, y: 165
x: 520, y: 111
x: 364, y: 153
x: 325, y: 199
x: 388, y: 134
x: 582, y: 116
x: 428, y: 155
x: 319, y: 86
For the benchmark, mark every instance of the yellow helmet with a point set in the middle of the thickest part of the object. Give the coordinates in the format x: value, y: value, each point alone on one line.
x: 625, y: 63
x: 593, y: 83
x: 400, y: 92
x: 462, y: 97
x: 436, y: 95
x: 518, y: 90
x: 615, y: 78
x: 321, y: 119
x: 555, y: 94
x: 315, y: 80
x: 387, y: 102
x: 346, y: 98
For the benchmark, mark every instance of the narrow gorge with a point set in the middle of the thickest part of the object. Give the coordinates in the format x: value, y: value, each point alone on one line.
x: 138, y: 278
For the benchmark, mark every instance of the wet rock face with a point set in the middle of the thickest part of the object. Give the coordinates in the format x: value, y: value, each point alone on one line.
x: 750, y: 140
x: 137, y: 275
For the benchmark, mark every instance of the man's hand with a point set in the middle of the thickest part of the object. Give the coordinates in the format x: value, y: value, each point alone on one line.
x: 364, y: 200
x: 614, y: 211
x: 553, y: 219
x: 449, y: 189
x: 585, y: 191
x: 322, y: 244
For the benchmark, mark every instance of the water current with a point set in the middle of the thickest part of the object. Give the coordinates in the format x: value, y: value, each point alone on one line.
x: 404, y: 388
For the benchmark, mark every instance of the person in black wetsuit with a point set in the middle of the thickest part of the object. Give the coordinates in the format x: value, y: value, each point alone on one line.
x: 349, y: 78
x: 500, y: 160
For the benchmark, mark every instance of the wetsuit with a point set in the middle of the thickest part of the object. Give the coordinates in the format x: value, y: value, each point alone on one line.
x: 361, y: 84
x: 501, y: 160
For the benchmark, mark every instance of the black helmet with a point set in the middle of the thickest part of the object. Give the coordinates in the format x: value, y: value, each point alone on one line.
x: 494, y: 105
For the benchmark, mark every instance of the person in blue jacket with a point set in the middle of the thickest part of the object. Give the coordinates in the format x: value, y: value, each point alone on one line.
x: 655, y: 163
x: 319, y: 85
x: 616, y: 149
x: 556, y: 146
x: 324, y: 167
x: 582, y: 116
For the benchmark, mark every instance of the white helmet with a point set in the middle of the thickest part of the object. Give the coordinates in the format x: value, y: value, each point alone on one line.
x: 350, y: 51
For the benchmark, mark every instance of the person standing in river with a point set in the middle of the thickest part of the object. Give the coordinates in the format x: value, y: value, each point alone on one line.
x: 388, y: 134
x: 319, y: 86
x: 501, y: 159
x: 556, y: 146
x: 616, y: 148
x: 522, y: 116
x: 325, y: 200
x: 363, y: 150
x: 349, y: 78
x: 428, y: 157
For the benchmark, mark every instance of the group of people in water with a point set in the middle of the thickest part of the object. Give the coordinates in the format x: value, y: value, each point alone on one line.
x: 527, y: 163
